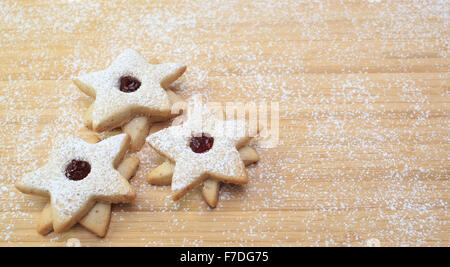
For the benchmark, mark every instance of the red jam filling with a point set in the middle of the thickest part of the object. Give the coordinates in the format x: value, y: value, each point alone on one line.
x: 77, y: 170
x: 201, y: 144
x: 129, y: 84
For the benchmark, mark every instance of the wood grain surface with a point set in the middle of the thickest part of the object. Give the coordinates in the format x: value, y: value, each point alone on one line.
x: 363, y: 89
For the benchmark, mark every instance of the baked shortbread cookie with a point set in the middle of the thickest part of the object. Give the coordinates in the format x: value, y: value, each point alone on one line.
x: 202, y: 147
x: 98, y: 218
x: 130, y: 87
x: 78, y: 175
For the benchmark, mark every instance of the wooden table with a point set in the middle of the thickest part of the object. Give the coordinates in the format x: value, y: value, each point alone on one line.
x: 363, y: 88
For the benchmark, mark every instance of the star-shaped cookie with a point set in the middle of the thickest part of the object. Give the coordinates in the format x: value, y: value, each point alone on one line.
x: 77, y: 175
x: 129, y: 87
x: 202, y: 147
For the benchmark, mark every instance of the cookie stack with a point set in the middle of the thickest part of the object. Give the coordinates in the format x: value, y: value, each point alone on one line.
x: 83, y: 178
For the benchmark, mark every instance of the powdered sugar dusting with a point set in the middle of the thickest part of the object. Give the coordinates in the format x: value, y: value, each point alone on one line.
x: 363, y: 91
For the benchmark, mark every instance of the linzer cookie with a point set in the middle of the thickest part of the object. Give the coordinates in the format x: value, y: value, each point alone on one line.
x: 203, y: 147
x: 162, y: 175
x: 98, y: 218
x: 130, y: 87
x: 78, y: 175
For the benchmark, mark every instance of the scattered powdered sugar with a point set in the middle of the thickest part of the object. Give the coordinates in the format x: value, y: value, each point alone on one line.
x: 363, y: 92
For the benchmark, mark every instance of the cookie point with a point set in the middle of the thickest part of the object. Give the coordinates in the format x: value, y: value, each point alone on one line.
x: 182, y: 66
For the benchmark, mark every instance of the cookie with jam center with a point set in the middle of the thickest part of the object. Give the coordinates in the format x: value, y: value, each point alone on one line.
x: 202, y: 147
x: 128, y: 88
x: 77, y: 175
